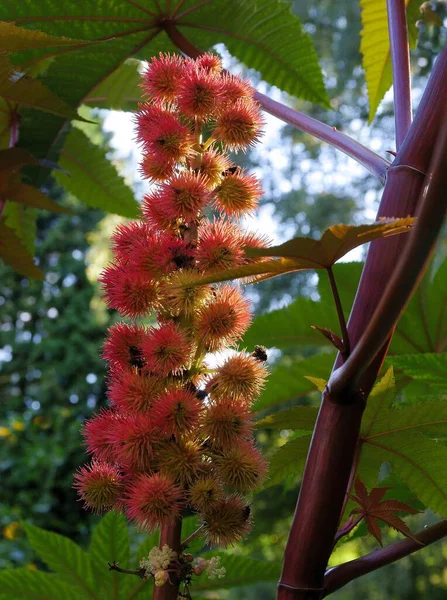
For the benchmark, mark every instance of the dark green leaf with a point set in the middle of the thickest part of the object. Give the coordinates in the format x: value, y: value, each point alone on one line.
x: 121, y: 90
x: 14, y: 253
x: 22, y: 219
x: 109, y: 544
x: 23, y: 584
x: 288, y: 460
x: 92, y: 178
x: 16, y: 38
x: 240, y: 571
x: 288, y: 381
x: 64, y: 557
x: 300, y: 417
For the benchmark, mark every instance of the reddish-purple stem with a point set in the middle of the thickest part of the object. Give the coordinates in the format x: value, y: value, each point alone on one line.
x: 170, y: 535
x: 409, y: 270
x: 334, y: 441
x: 339, y: 576
x: 400, y: 59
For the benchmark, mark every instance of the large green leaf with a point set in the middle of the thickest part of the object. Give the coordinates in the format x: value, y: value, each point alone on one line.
x: 240, y: 571
x: 300, y: 417
x: 288, y: 460
x: 429, y: 369
x: 23, y: 584
x: 14, y: 253
x: 109, y: 544
x: 375, y: 47
x: 266, y: 36
x: 64, y: 557
x: 288, y: 380
x: 92, y: 178
x: 16, y: 38
x: 121, y: 90
x: 396, y: 436
x: 22, y: 219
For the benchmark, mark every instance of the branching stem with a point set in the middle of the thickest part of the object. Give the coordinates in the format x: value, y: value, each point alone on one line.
x: 114, y: 567
x: 400, y: 58
x: 191, y: 537
x: 340, y: 313
x: 339, y: 576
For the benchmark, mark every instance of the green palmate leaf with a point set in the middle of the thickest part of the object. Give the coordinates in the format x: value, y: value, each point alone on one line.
x: 23, y: 584
x: 375, y: 47
x: 289, y: 380
x: 335, y: 242
x: 288, y: 460
x: 16, y: 38
x: 300, y: 417
x: 430, y: 369
x: 26, y: 91
x: 64, y: 557
x: 109, y: 544
x: 31, y: 196
x: 121, y: 90
x: 13, y: 159
x: 92, y: 178
x: 14, y: 253
x: 266, y: 36
x: 22, y: 219
x: 240, y: 571
x: 398, y: 436
x: 189, y: 526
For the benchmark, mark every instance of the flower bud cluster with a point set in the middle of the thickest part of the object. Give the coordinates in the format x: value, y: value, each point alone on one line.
x: 177, y: 435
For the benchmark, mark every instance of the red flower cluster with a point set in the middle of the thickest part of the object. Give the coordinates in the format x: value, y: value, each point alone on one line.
x: 178, y: 435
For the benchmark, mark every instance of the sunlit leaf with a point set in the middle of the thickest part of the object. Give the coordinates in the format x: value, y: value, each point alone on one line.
x: 31, y: 196
x: 288, y: 460
x: 35, y: 585
x: 22, y: 219
x: 335, y: 242
x: 64, y: 557
x: 121, y: 90
x: 375, y: 47
x: 289, y: 380
x: 16, y: 38
x: 14, y: 253
x: 300, y: 417
x: 92, y: 178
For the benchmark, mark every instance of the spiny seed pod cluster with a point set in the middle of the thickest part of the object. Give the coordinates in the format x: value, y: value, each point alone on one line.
x: 178, y: 435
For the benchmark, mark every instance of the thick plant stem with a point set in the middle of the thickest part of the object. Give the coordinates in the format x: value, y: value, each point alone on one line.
x: 334, y: 442
x: 430, y: 220
x: 370, y: 160
x: 343, y: 574
x: 400, y: 59
x: 170, y: 535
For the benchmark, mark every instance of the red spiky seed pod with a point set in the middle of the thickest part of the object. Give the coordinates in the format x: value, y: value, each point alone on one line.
x: 199, y: 93
x: 153, y: 500
x: 123, y: 345
x: 241, y: 378
x: 235, y: 88
x: 242, y: 467
x: 163, y: 136
x: 162, y: 77
x: 135, y: 439
x: 98, y: 434
x: 226, y: 423
x: 238, y: 193
x: 210, y: 62
x: 183, y: 298
x: 239, y: 125
x: 99, y: 485
x: 126, y: 235
x: 226, y: 521
x: 204, y: 492
x: 166, y: 350
x: 177, y: 411
x: 132, y: 391
x: 181, y: 460
x: 218, y: 246
x: 221, y: 322
x: 129, y: 291
x: 212, y: 166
